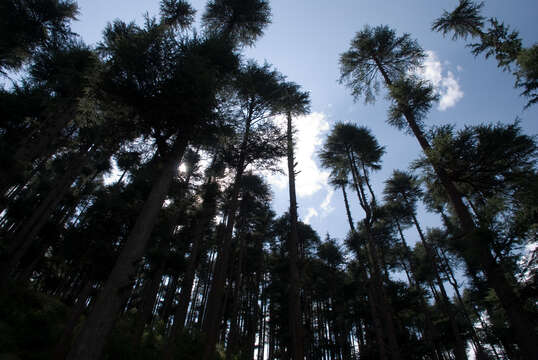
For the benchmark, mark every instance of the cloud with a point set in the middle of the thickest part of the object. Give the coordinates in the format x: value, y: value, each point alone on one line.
x: 326, y: 204
x: 308, y: 137
x: 311, y: 213
x: 446, y: 84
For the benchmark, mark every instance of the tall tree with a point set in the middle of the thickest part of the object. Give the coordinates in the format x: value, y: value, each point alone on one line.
x: 359, y: 148
x: 402, y: 187
x: 183, y: 80
x: 379, y: 51
x: 294, y: 103
x: 256, y: 90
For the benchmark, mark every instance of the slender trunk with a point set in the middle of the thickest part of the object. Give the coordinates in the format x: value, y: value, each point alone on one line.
x: 233, y: 334
x: 214, y: 305
x: 367, y: 181
x: 430, y: 331
x: 36, y: 145
x: 376, y: 291
x: 452, y: 280
x: 459, y: 351
x: 169, y: 297
x: 348, y: 211
x: 149, y: 294
x: 263, y: 326
x: 62, y: 347
x: 90, y: 342
x: 384, y: 303
x: 272, y: 332
x: 201, y: 223
x: 295, y: 313
x: 24, y: 238
x: 378, y: 327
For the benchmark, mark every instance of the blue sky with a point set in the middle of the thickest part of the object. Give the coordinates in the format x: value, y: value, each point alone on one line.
x: 304, y: 42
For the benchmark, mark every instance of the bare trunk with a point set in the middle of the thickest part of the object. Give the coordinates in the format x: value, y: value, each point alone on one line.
x: 62, y: 347
x: 430, y: 331
x: 201, y: 222
x: 348, y: 211
x: 295, y: 313
x: 233, y: 335
x: 214, y: 305
x: 24, y: 238
x: 459, y: 351
x: 169, y: 297
x: 37, y: 144
x: 149, y: 294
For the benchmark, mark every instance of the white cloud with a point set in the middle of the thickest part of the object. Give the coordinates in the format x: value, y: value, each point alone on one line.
x: 326, y: 204
x: 446, y: 85
x: 450, y: 92
x: 308, y: 137
x: 311, y: 213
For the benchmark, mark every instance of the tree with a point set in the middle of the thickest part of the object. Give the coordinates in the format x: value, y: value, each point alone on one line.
x: 294, y: 103
x: 27, y: 25
x: 357, y: 147
x: 254, y: 99
x: 402, y: 188
x: 241, y: 21
x: 465, y: 20
x: 192, y: 73
x: 379, y: 50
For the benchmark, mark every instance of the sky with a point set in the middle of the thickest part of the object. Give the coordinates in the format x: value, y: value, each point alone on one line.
x: 304, y: 43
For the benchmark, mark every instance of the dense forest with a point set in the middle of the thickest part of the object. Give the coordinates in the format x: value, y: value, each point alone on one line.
x: 136, y: 222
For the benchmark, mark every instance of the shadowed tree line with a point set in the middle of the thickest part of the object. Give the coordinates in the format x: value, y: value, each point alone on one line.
x: 134, y: 222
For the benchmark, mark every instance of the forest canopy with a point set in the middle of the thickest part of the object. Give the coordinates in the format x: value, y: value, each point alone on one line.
x: 138, y: 220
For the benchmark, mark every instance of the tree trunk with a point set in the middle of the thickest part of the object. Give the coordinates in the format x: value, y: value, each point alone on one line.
x: 24, y: 238
x: 459, y: 351
x: 90, y: 342
x: 202, y: 220
x: 62, y: 347
x: 32, y: 147
x: 452, y: 280
x: 149, y: 293
x: 295, y: 313
x: 214, y: 305
x: 233, y: 335
x: 430, y: 331
x: 348, y: 211
x: 169, y: 297
x: 520, y: 320
x: 518, y: 317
